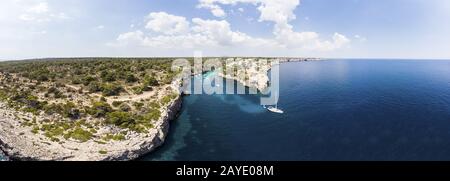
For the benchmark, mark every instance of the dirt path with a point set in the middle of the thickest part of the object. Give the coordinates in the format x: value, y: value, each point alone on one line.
x: 133, y: 98
x: 73, y: 87
x: 126, y: 98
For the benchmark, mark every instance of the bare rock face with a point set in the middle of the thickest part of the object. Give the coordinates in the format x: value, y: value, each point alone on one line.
x: 19, y: 143
x: 255, y: 76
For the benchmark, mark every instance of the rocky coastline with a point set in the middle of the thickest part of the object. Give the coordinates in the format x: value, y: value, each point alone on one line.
x: 257, y: 74
x: 18, y: 143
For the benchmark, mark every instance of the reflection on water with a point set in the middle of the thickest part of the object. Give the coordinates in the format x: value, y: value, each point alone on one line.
x: 2, y: 156
x: 335, y: 110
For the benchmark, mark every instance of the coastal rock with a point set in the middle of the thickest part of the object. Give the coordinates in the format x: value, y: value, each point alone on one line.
x: 18, y: 143
x: 255, y: 73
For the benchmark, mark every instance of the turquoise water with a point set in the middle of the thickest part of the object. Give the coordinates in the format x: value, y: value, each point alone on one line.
x: 334, y: 110
x: 209, y: 74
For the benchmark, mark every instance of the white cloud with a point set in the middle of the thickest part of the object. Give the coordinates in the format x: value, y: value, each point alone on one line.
x: 309, y: 40
x: 176, y: 32
x: 130, y: 37
x: 278, y: 11
x: 99, y: 27
x: 162, y: 22
x: 360, y: 38
x: 218, y: 12
x: 281, y: 12
x: 34, y: 11
x: 340, y: 40
x: 39, y: 8
x: 26, y: 17
x: 59, y: 16
x: 219, y: 31
x: 215, y: 9
x: 203, y: 34
x: 40, y: 32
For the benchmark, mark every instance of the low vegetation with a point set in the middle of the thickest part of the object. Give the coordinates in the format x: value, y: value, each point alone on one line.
x: 72, y: 99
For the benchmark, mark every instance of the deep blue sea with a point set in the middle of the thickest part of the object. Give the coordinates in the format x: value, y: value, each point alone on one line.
x: 334, y: 110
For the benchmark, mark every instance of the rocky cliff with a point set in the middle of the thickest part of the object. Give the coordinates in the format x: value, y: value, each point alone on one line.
x: 19, y: 143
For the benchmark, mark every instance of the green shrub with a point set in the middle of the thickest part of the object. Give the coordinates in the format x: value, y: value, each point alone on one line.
x: 42, y: 78
x: 138, y: 105
x: 117, y: 103
x: 138, y: 90
x: 31, y: 110
x: 111, y: 89
x: 52, y: 90
x: 107, y: 76
x: 152, y: 115
x: 35, y: 130
x: 79, y: 134
x: 70, y: 111
x: 55, y: 92
x: 130, y: 78
x: 125, y: 107
x: 59, y: 84
x: 59, y: 95
x: 166, y: 99
x: 76, y: 81
x: 54, y: 139
x: 3, y: 95
x: 150, y: 81
x: 87, y: 80
x: 93, y: 131
x: 99, y: 109
x: 154, y: 105
x: 94, y: 87
x: 51, y: 132
x: 121, y: 119
x: 28, y: 102
x: 115, y: 137
x: 80, y: 123
x: 100, y: 142
x: 53, y: 109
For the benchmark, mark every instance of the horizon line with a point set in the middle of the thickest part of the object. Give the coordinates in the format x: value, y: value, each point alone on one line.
x: 166, y: 57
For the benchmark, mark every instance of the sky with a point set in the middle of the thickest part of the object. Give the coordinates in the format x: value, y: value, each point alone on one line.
x: 418, y: 29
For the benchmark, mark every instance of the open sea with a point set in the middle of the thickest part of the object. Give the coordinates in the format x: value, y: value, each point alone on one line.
x: 334, y: 110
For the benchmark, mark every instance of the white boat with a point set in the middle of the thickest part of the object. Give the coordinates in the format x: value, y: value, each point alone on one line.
x: 275, y: 110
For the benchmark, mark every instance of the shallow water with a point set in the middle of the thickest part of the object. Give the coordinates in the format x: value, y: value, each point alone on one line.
x: 334, y: 110
x: 2, y: 157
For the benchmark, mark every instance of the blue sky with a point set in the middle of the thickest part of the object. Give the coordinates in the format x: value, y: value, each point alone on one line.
x: 138, y: 28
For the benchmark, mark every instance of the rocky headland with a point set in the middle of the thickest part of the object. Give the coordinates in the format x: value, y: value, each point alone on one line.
x: 25, y: 135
